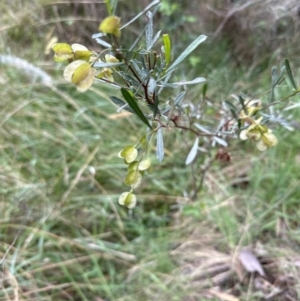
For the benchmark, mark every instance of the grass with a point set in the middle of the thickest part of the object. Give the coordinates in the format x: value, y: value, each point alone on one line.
x: 68, y: 239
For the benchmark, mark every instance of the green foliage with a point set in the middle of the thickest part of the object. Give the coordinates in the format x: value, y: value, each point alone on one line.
x: 134, y: 106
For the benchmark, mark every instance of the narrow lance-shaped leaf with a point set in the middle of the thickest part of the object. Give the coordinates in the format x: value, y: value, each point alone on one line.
x: 171, y: 109
x: 141, y: 13
x: 162, y: 83
x: 155, y: 109
x: 103, y: 43
x: 204, y: 90
x: 183, y: 83
x: 160, y: 152
x: 289, y: 73
x: 193, y: 152
x: 232, y: 109
x: 220, y: 141
x: 107, y: 65
x: 188, y: 50
x: 242, y: 102
x: 154, y: 40
x: 173, y: 104
x: 149, y: 30
x: 230, y: 105
x: 98, y: 36
x: 203, y: 128
x: 134, y: 106
x: 179, y: 98
x: 128, y: 78
x: 274, y: 75
x: 167, y: 46
x: 121, y: 104
x: 281, y: 75
x: 137, y: 40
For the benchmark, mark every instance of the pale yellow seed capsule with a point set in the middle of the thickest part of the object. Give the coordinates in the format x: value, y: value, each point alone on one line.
x: 127, y: 199
x: 111, y: 59
x: 111, y: 25
x: 133, y: 179
x: 81, y: 74
x: 129, y: 153
x: 144, y: 164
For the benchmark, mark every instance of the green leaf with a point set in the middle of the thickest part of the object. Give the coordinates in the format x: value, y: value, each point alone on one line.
x: 193, y: 152
x: 174, y: 103
x: 154, y: 40
x: 187, y: 51
x: 179, y: 98
x: 149, y: 30
x: 183, y: 83
x: 97, y: 37
x: 121, y: 104
x: 160, y: 152
x: 274, y: 74
x: 239, y: 123
x: 242, y: 102
x: 134, y: 106
x: 220, y: 141
x: 232, y: 109
x: 107, y: 65
x: 276, y: 79
x: 156, y: 109
x: 203, y: 129
x: 128, y: 78
x: 153, y: 3
x: 230, y: 105
x: 167, y: 46
x: 289, y: 73
x: 204, y: 89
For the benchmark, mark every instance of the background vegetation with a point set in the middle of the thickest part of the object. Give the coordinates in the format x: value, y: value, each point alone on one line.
x: 63, y: 235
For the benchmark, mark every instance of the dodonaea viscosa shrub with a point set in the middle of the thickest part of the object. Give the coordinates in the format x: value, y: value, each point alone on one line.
x: 144, y: 73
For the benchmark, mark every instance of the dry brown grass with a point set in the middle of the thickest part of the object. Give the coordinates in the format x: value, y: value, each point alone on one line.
x: 206, y: 270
